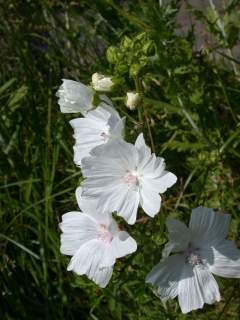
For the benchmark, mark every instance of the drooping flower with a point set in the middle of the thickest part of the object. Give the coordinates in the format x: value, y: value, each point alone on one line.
x: 200, y: 250
x: 132, y: 100
x: 122, y: 176
x: 75, y: 97
x: 96, y: 128
x: 101, y: 82
x: 94, y: 241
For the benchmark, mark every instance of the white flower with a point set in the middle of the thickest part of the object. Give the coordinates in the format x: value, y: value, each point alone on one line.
x: 101, y: 82
x: 94, y: 241
x: 74, y: 97
x: 122, y: 176
x: 132, y: 100
x: 96, y: 128
x: 200, y: 250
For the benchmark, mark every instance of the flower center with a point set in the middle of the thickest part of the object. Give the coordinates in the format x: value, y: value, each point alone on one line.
x: 105, y: 136
x: 104, y: 234
x: 192, y: 256
x: 131, y: 178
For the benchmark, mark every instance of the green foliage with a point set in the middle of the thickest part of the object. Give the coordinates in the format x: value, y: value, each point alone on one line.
x: 132, y: 56
x: 189, y: 115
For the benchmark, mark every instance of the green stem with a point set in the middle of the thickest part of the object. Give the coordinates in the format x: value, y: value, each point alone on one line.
x: 227, y: 100
x: 149, y: 130
x: 138, y: 90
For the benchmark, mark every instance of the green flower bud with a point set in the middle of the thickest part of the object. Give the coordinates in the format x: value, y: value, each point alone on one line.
x: 149, y: 48
x: 112, y: 54
x: 127, y: 43
x: 134, y: 70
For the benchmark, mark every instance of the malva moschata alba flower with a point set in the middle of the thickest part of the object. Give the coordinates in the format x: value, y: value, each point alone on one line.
x: 94, y: 241
x: 96, y: 128
x: 101, y: 82
x: 200, y: 250
x: 121, y: 176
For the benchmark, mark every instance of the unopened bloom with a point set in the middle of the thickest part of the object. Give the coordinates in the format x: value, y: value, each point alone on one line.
x: 75, y: 97
x: 94, y: 241
x: 96, y: 128
x: 101, y: 82
x: 132, y: 100
x: 121, y: 176
x: 200, y: 251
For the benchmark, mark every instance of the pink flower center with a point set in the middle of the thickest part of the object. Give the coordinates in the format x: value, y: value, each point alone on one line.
x: 105, y: 136
x: 131, y: 178
x: 192, y: 256
x: 104, y: 234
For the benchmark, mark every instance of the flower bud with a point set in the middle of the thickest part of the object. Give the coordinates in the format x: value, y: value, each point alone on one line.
x: 74, y: 97
x: 112, y: 54
x: 101, y: 82
x: 132, y: 100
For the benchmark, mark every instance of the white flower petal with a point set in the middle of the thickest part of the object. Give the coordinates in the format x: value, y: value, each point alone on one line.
x: 226, y: 259
x: 208, y: 227
x: 101, y: 167
x: 128, y: 208
x: 166, y: 181
x: 152, y: 166
x: 116, y: 124
x: 87, y: 205
x: 117, y: 130
x: 166, y: 275
x: 74, y: 97
x: 90, y: 207
x: 179, y: 236
x: 102, y: 276
x: 112, y: 199
x: 112, y: 111
x: 123, y: 244
x: 120, y: 150
x: 140, y: 144
x: 98, y: 126
x: 159, y: 168
x: 123, y: 200
x: 109, y: 257
x: 147, y: 165
x: 87, y: 260
x: 105, y: 162
x: 77, y: 228
x: 79, y: 153
x: 150, y: 201
x: 126, y: 152
x: 197, y: 287
x: 100, y: 186
x: 101, y: 114
x: 88, y: 134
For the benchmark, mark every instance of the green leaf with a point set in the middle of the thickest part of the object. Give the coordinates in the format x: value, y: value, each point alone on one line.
x: 17, y: 96
x: 6, y: 85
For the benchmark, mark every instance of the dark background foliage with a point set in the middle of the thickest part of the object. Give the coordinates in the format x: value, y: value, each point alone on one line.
x: 191, y: 117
